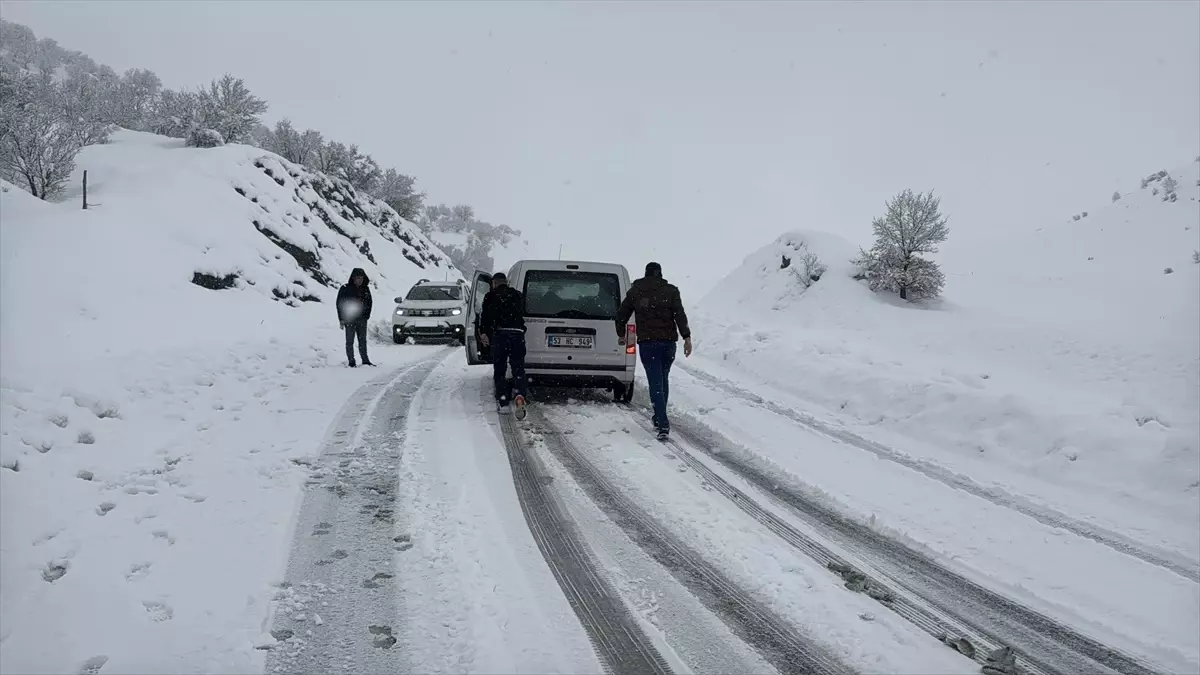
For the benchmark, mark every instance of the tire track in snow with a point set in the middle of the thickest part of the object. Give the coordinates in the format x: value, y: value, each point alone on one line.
x: 620, y: 643
x: 776, y: 641
x: 932, y: 597
x: 1185, y: 568
x: 337, y: 608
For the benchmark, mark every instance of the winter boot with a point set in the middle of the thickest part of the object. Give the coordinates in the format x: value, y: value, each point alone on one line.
x: 352, y: 364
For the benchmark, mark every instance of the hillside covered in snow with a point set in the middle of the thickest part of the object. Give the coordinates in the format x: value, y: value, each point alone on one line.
x: 1061, y: 367
x: 168, y: 362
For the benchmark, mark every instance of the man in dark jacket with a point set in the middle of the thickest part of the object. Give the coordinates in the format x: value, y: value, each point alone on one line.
x: 660, y: 323
x: 354, y: 310
x: 502, y: 329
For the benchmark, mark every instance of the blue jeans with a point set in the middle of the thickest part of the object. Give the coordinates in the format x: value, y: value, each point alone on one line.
x: 508, y: 348
x: 657, y: 357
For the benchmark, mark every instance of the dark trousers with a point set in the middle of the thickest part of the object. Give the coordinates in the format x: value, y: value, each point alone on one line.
x: 657, y: 357
x: 508, y: 348
x: 358, y: 328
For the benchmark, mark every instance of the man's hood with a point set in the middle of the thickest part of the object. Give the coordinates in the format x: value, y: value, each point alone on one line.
x: 357, y: 271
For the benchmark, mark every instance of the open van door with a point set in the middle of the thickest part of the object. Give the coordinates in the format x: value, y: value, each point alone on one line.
x: 477, y: 354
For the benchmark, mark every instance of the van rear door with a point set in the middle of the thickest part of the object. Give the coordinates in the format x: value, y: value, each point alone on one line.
x: 570, y: 316
x: 477, y: 354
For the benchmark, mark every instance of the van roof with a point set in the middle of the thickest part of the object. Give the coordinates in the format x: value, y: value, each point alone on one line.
x: 562, y: 264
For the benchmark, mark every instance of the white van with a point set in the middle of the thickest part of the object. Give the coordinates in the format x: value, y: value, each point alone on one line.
x: 570, y: 318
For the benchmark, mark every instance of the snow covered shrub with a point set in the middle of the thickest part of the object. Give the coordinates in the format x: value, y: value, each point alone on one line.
x: 912, y: 225
x: 811, y: 268
x: 1169, y: 185
x: 1116, y: 196
x: 1196, y: 257
x: 205, y: 138
x: 1169, y: 270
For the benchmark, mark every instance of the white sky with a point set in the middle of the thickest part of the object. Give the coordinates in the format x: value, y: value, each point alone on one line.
x: 696, y: 132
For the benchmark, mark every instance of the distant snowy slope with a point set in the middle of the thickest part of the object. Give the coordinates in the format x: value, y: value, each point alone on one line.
x: 170, y: 225
x: 1063, y: 364
x: 154, y: 431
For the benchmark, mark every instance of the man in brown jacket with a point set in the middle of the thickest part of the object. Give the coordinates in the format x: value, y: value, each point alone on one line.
x: 661, y: 321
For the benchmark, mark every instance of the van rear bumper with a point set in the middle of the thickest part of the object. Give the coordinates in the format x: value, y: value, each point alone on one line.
x: 569, y: 375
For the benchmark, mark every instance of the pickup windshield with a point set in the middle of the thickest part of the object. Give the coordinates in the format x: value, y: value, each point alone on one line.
x: 563, y: 294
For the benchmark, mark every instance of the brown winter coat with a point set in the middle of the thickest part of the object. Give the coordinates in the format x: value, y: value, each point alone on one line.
x: 659, y: 311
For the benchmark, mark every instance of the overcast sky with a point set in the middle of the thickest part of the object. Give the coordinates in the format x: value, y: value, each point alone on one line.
x: 696, y: 132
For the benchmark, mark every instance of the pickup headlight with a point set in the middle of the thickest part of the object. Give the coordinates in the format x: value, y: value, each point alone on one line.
x: 455, y: 312
x: 399, y: 311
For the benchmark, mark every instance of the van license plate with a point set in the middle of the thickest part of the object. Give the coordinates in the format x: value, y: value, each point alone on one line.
x: 577, y: 341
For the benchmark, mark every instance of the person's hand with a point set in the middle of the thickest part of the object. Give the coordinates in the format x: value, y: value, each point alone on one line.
x: 483, y: 340
x: 687, y: 347
x: 342, y: 325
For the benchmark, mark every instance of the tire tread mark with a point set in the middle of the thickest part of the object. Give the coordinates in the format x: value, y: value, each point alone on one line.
x: 1023, y: 625
x: 1187, y: 569
x: 777, y: 642
x: 620, y: 643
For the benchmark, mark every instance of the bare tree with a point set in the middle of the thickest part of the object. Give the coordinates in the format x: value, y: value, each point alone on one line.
x: 290, y: 144
x: 398, y: 192
x: 912, y: 225
x: 135, y: 98
x: 37, y: 144
x: 228, y: 107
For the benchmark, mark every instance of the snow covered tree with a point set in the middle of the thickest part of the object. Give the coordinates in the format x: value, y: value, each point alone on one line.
x: 912, y: 225
x: 290, y: 144
x: 175, y: 113
x: 398, y: 192
x: 135, y: 97
x: 1116, y: 196
x: 228, y: 107
x: 332, y: 158
x: 1196, y: 257
x: 88, y: 103
x: 37, y: 143
x: 362, y: 171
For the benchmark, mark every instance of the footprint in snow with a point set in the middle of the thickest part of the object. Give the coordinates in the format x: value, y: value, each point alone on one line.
x: 383, y: 636
x: 104, y: 508
x: 403, y: 542
x: 93, y: 665
x: 165, y: 536
x: 373, y: 582
x: 339, y: 554
x: 158, y: 611
x: 54, y: 571
x: 137, y: 571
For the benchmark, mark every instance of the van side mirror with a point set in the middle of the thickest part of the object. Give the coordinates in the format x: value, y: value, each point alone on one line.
x: 399, y: 300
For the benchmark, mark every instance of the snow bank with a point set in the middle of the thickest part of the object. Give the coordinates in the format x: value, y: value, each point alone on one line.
x: 169, y: 359
x: 1063, y: 364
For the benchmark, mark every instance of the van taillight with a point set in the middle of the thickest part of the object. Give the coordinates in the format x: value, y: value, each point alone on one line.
x: 630, y: 339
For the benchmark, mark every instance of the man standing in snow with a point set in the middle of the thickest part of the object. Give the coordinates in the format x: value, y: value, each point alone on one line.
x: 659, y: 311
x: 354, y: 310
x: 502, y: 327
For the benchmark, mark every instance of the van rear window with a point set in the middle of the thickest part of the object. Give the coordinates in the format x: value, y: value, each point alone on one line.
x: 562, y: 294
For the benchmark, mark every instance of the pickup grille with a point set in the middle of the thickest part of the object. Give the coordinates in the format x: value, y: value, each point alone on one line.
x: 427, y: 312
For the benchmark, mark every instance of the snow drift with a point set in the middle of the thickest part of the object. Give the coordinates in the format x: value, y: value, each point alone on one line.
x: 1063, y: 364
x: 170, y: 359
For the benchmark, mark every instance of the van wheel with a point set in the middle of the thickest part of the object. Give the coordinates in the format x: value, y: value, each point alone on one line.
x: 623, y: 393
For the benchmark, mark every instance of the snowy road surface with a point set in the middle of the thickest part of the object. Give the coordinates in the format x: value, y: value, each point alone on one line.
x: 430, y: 535
x: 436, y: 536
